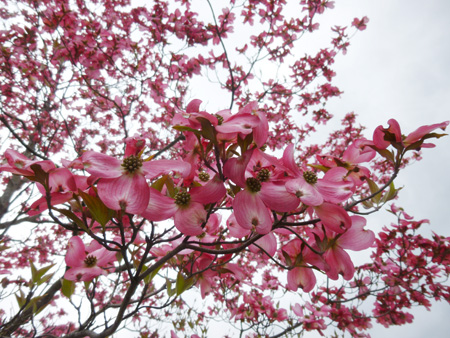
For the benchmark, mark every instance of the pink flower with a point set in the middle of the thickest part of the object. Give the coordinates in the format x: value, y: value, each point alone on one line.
x: 360, y: 24
x: 248, y: 120
x: 250, y: 211
x: 187, y: 208
x: 61, y: 184
x: 421, y: 132
x: 21, y: 165
x: 383, y: 137
x: 311, y: 190
x: 301, y: 275
x: 123, y: 186
x: 333, y: 244
x: 86, y: 264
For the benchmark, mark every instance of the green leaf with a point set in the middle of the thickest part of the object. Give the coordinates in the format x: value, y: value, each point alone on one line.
x: 374, y: 189
x: 34, y: 272
x: 180, y: 284
x: 171, y: 188
x: 208, y: 130
x: 21, y: 300
x: 299, y: 261
x: 45, y: 279
x: 74, y: 218
x: 245, y: 143
x: 185, y: 128
x: 67, y: 288
x: 43, y: 271
x: 392, y: 192
x: 170, y: 291
x: 319, y: 167
x: 367, y: 204
x: 98, y: 209
x: 159, y: 183
x: 148, y: 278
x: 387, y: 154
x: 36, y: 275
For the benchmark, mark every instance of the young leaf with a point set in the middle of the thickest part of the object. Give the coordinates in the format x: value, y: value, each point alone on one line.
x: 98, y: 209
x: 374, y: 189
x: 70, y: 215
x: 68, y: 288
x: 148, y: 278
x: 180, y: 284
x: 170, y: 291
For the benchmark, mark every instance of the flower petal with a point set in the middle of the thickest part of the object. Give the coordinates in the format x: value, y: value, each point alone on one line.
x: 160, y: 207
x: 75, y: 252
x: 251, y: 213
x: 339, y: 262
x: 420, y: 132
x: 268, y: 243
x: 235, y: 229
x: 357, y: 238
x: 308, y: 193
x: 211, y: 192
x: 156, y: 168
x: 104, y: 257
x: 276, y: 197
x: 334, y: 217
x: 189, y: 220
x: 101, y: 165
x: 84, y: 274
x: 130, y: 193
x: 301, y: 277
x: 235, y: 167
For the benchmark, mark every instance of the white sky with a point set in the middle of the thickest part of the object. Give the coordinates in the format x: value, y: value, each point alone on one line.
x: 400, y: 68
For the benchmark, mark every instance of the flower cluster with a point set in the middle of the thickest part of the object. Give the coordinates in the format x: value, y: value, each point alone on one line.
x: 224, y: 166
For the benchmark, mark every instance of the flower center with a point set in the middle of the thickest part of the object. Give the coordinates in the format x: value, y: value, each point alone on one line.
x: 182, y: 198
x: 263, y: 175
x: 90, y: 261
x: 253, y: 184
x: 203, y: 176
x: 132, y: 163
x: 219, y: 119
x: 310, y: 177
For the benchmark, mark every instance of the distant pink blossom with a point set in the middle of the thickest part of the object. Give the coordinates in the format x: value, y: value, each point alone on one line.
x: 360, y: 24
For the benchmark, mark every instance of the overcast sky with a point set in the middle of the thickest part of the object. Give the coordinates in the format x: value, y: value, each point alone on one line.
x: 400, y: 68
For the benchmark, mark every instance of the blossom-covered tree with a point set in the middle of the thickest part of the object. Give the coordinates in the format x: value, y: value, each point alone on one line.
x: 195, y: 213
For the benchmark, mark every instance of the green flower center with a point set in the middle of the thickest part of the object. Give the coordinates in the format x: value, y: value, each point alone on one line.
x: 203, y: 176
x: 90, y: 261
x: 182, y: 198
x: 263, y: 175
x: 310, y: 177
x: 253, y: 184
x: 219, y: 119
x: 132, y: 163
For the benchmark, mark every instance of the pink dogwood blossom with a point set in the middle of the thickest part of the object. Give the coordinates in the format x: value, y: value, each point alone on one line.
x: 87, y: 263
